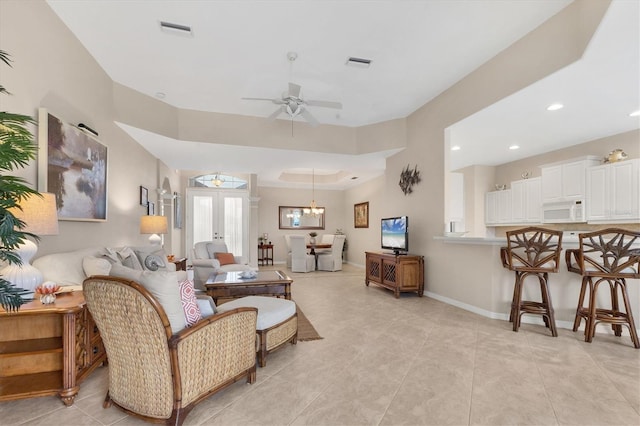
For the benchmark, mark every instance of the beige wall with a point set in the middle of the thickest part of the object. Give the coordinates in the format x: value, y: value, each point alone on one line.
x: 466, y: 274
x: 51, y: 69
x: 271, y: 198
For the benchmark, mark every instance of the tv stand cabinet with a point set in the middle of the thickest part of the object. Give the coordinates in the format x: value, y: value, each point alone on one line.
x: 399, y: 273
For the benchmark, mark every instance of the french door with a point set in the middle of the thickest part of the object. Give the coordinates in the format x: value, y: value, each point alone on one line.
x: 218, y: 215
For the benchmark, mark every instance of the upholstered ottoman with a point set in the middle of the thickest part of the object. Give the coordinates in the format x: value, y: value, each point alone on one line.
x: 277, y: 322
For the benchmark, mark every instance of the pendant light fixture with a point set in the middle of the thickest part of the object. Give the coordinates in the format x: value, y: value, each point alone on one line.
x: 217, y: 181
x: 313, y: 209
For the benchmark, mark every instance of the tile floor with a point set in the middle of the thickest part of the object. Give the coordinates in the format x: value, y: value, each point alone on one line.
x: 407, y: 361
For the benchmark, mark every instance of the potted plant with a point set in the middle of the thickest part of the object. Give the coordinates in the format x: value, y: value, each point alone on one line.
x: 17, y: 148
x: 313, y: 236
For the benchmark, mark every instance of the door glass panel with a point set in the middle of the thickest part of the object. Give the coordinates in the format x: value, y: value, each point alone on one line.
x: 202, y: 218
x: 233, y: 221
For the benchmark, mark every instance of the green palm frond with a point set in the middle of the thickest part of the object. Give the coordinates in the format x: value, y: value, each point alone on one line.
x: 17, y: 149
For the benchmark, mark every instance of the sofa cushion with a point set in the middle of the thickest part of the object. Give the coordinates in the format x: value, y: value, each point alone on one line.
x: 93, y: 265
x: 129, y: 259
x: 190, y: 306
x: 65, y: 268
x: 163, y: 286
x: 153, y: 259
x: 225, y: 258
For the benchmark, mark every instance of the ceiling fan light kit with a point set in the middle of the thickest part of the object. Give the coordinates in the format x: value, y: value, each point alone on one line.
x: 293, y: 104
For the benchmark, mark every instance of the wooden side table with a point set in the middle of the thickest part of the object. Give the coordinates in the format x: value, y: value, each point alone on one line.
x: 265, y: 254
x: 48, y: 349
x: 181, y: 263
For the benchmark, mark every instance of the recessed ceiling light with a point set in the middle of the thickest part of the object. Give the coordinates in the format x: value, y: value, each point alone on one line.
x: 635, y: 114
x: 455, y: 148
x: 160, y: 95
x: 555, y: 107
x: 514, y: 147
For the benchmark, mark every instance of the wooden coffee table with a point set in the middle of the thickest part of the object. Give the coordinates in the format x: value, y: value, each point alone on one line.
x: 231, y: 285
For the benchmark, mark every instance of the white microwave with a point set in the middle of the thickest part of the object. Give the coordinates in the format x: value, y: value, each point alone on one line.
x: 564, y: 212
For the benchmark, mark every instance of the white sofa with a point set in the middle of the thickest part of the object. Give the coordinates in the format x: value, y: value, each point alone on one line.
x: 204, y: 261
x: 70, y: 268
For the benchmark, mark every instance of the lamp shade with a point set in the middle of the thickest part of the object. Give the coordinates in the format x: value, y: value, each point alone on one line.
x: 38, y: 213
x: 153, y: 225
x: 40, y: 217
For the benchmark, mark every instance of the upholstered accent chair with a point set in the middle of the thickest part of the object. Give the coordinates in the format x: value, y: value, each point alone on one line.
x: 301, y: 261
x: 204, y: 261
x: 332, y: 260
x: 157, y: 375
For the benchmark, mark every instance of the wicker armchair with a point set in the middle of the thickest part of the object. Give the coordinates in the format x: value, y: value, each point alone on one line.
x: 158, y: 376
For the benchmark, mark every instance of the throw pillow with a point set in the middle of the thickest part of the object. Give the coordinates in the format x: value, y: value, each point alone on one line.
x: 225, y: 258
x: 153, y: 259
x: 190, y: 307
x: 95, y: 266
x: 129, y: 259
x: 163, y: 286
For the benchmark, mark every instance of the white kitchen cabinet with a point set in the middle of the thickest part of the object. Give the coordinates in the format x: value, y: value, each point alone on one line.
x: 566, y: 181
x: 612, y: 192
x: 497, y: 207
x: 491, y: 208
x: 526, y: 201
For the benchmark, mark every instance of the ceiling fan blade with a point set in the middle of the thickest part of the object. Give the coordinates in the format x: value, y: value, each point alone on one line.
x: 275, y: 114
x: 326, y: 104
x: 275, y: 101
x: 294, y: 90
x: 310, y: 118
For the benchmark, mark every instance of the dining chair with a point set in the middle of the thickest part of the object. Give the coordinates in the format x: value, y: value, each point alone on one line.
x: 332, y: 260
x: 301, y: 261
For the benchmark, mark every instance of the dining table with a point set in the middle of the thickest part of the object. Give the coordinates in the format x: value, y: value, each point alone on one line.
x: 313, y: 247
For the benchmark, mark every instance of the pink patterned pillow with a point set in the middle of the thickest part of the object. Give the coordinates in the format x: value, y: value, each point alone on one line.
x: 192, y: 312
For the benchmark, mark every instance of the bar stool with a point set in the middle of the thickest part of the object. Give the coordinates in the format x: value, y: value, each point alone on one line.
x: 607, y: 256
x: 534, y: 252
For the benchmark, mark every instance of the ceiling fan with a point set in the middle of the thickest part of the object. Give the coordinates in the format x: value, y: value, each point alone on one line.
x: 294, y: 104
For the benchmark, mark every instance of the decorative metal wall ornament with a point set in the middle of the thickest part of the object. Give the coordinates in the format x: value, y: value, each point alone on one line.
x: 408, y: 178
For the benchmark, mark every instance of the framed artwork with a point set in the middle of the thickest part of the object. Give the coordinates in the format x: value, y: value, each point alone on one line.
x: 361, y: 215
x: 151, y: 208
x: 177, y: 213
x: 72, y: 164
x: 144, y: 196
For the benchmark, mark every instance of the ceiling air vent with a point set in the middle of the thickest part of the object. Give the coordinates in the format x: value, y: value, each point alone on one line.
x: 172, y: 28
x: 358, y: 62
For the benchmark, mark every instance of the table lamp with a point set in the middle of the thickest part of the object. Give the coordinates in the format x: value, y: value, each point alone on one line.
x: 41, y: 218
x: 153, y: 225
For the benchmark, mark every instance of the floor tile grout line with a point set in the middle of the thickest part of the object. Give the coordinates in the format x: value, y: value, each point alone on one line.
x: 544, y: 384
x: 473, y: 375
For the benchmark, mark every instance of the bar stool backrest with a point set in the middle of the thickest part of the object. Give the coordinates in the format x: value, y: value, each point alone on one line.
x: 610, y: 252
x: 532, y: 249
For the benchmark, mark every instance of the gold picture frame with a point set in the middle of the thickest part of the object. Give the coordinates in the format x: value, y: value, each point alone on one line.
x: 361, y: 215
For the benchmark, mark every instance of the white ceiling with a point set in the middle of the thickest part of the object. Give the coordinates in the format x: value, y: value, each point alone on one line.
x: 238, y: 49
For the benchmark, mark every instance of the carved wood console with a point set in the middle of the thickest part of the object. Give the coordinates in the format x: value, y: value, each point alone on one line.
x: 399, y: 273
x: 48, y: 349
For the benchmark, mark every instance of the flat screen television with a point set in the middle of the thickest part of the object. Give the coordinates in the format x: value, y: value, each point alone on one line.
x: 394, y: 234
